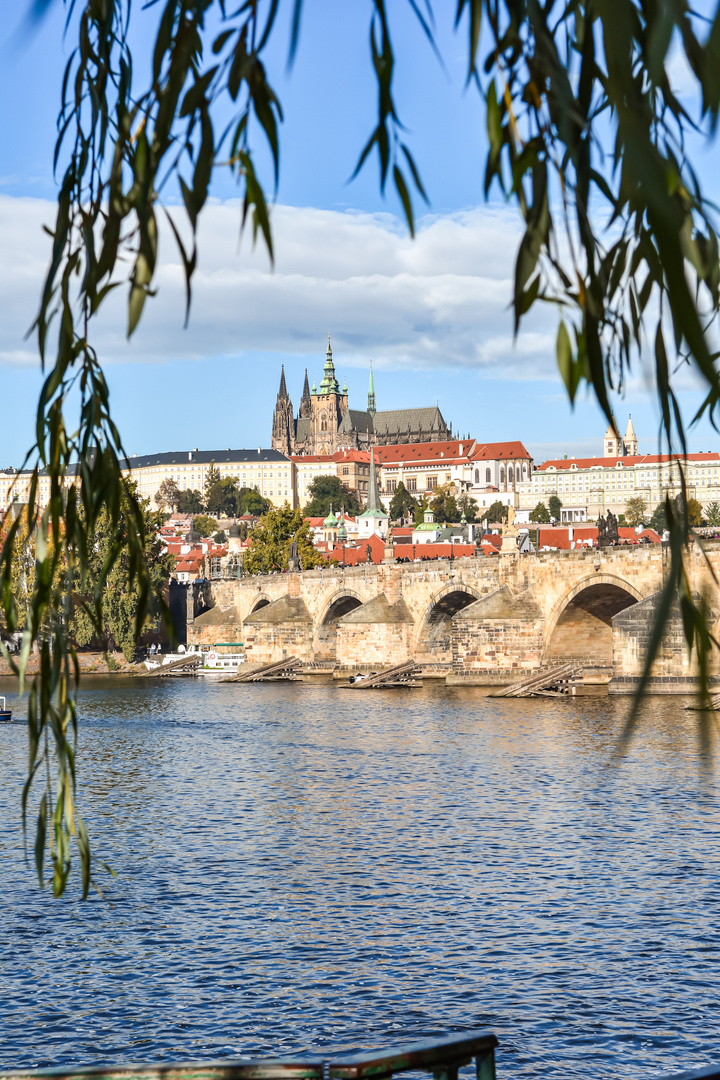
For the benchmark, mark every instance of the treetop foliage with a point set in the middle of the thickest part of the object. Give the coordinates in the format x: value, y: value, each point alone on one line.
x: 328, y: 492
x: 270, y: 542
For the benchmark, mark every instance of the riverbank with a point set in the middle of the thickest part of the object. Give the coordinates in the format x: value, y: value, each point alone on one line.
x: 91, y: 663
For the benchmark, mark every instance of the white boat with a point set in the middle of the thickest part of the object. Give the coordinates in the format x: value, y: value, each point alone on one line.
x: 222, y: 658
x: 5, y: 713
x: 161, y: 659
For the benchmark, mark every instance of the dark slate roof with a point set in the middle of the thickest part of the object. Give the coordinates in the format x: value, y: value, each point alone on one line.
x: 302, y: 428
x: 354, y: 420
x: 392, y: 421
x: 204, y: 457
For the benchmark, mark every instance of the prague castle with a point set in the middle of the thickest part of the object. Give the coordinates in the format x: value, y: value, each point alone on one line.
x: 325, y: 422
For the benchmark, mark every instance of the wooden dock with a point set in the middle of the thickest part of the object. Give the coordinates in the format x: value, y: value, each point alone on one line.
x: 559, y: 681
x: 184, y: 665
x: 399, y: 675
x: 711, y: 703
x: 280, y: 671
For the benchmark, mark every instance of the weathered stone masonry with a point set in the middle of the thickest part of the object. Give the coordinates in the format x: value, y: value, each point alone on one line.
x: 478, y: 619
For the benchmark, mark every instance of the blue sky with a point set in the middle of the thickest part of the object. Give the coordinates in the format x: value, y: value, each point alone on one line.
x: 433, y: 316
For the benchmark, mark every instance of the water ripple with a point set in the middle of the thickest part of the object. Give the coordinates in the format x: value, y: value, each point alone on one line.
x: 304, y: 869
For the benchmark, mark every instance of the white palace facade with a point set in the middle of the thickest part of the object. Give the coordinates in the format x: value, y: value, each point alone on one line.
x: 588, y: 487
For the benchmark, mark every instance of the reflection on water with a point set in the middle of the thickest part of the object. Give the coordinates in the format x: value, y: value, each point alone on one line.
x: 302, y: 868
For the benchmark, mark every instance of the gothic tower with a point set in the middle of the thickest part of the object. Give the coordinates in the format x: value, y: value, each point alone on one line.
x: 305, y: 402
x: 630, y: 440
x: 612, y: 443
x: 328, y: 406
x: 283, y: 433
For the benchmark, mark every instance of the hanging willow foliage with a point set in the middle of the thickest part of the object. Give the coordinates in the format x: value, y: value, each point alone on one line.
x: 587, y: 135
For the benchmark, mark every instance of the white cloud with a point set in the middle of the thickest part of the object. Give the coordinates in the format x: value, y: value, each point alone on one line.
x: 441, y: 300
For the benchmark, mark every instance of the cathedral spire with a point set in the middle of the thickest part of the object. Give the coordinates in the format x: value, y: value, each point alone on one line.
x: 305, y: 400
x: 329, y: 384
x: 283, y: 431
x: 371, y: 394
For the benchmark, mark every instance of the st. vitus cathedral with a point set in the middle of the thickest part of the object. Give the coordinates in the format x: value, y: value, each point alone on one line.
x: 325, y: 422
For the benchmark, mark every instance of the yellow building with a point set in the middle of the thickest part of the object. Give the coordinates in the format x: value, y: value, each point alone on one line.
x: 268, y: 471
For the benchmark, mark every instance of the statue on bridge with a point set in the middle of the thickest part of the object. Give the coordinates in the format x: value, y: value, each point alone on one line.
x: 608, y: 535
x: 294, y: 558
x: 509, y: 534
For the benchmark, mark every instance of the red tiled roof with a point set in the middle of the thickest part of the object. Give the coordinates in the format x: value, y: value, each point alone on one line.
x: 499, y: 450
x: 611, y: 462
x: 434, y: 451
x: 353, y: 455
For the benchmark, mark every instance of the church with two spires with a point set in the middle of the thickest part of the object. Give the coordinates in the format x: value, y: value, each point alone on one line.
x: 325, y: 422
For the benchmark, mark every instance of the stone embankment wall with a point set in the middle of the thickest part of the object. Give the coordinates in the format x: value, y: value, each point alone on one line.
x: 479, y: 618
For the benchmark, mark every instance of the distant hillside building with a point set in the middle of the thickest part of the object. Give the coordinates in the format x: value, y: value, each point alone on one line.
x: 325, y: 423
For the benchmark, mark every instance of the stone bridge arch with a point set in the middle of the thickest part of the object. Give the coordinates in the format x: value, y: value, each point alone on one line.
x: 248, y: 605
x: 340, y: 603
x: 432, y: 639
x: 579, y: 625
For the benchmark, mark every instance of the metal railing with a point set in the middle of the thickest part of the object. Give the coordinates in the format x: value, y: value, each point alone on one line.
x: 441, y: 1057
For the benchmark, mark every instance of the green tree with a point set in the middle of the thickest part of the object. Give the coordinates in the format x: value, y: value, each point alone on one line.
x: 168, y: 495
x: 223, y: 497
x: 402, y: 504
x: 120, y: 601
x: 694, y: 512
x: 190, y: 502
x: 252, y: 502
x: 587, y: 99
x: 328, y: 491
x: 220, y: 537
x: 554, y: 506
x: 540, y: 515
x: 468, y: 505
x: 420, y: 509
x: 712, y: 514
x: 635, y: 511
x: 22, y: 578
x: 205, y: 525
x: 444, y: 506
x: 658, y: 521
x: 212, y: 477
x: 270, y: 542
x: 497, y: 512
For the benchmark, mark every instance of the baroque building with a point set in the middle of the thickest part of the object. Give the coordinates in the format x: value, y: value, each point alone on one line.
x: 325, y: 422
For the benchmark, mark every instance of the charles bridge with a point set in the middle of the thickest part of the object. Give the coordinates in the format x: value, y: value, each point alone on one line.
x: 476, y: 620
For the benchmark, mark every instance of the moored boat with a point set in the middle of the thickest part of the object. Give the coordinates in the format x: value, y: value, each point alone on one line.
x: 158, y: 660
x: 5, y: 713
x: 222, y: 658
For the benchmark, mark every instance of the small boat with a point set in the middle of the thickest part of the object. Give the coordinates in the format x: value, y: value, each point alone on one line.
x: 164, y: 659
x: 217, y: 661
x: 5, y: 714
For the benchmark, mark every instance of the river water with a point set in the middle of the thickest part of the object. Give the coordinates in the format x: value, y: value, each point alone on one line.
x: 302, y: 868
